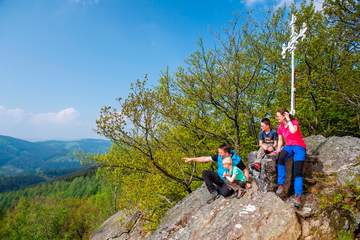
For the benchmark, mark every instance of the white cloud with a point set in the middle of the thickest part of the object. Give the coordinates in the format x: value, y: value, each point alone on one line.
x: 63, y: 124
x: 62, y: 117
x: 15, y: 114
x: 251, y: 2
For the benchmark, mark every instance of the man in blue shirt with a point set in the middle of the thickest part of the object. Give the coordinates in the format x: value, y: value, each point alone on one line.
x: 215, y: 181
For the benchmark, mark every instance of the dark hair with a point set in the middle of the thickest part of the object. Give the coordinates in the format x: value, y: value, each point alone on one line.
x: 226, y: 147
x: 266, y: 121
x: 282, y: 111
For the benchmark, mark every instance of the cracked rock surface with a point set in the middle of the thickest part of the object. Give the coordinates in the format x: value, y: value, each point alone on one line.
x: 256, y: 215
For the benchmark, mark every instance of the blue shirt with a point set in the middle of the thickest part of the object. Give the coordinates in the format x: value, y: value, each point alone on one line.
x: 269, y: 137
x: 236, y: 161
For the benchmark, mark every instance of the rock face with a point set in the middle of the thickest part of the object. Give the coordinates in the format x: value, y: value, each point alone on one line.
x: 340, y: 155
x: 313, y: 143
x: 338, y: 160
x: 256, y: 215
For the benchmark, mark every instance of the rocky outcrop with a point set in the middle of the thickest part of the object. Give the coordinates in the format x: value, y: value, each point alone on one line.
x: 333, y: 207
x: 340, y: 156
x: 339, y: 153
x: 330, y: 205
x: 256, y: 215
x: 313, y: 144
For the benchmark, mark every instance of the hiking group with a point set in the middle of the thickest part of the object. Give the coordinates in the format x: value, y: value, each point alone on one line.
x: 233, y: 176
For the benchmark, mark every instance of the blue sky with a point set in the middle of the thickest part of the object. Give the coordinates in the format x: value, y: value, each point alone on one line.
x: 61, y: 60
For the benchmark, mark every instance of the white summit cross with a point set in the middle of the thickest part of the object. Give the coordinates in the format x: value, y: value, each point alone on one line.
x: 291, y: 46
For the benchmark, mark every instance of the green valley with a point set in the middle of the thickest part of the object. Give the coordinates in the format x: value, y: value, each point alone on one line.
x: 24, y: 163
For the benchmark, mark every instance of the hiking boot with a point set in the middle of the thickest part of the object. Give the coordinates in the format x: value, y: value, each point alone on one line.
x: 297, y: 202
x: 213, y: 196
x: 240, y: 193
x: 256, y: 166
x: 280, y: 190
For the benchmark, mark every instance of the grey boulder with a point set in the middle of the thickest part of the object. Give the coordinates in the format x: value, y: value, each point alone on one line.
x: 256, y: 215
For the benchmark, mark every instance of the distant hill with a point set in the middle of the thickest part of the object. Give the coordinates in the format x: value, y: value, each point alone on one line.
x: 19, y: 157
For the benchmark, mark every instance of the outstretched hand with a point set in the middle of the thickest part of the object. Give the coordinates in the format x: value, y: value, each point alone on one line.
x: 187, y: 160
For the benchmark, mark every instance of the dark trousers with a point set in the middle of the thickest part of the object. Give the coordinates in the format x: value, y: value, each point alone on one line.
x: 215, y: 183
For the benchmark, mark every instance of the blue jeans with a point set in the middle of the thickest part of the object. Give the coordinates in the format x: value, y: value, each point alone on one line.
x: 298, y: 153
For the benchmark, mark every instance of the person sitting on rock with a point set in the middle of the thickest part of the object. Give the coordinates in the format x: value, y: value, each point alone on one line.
x: 215, y: 182
x: 268, y: 139
x: 295, y: 147
x: 234, y: 177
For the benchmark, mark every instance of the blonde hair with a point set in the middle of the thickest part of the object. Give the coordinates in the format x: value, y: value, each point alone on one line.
x: 227, y: 160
